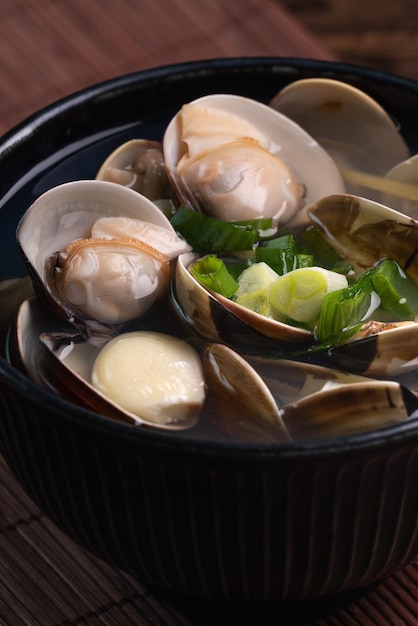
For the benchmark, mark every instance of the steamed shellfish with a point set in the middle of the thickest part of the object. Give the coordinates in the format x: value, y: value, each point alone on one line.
x: 98, y: 281
x: 235, y: 158
x: 139, y: 165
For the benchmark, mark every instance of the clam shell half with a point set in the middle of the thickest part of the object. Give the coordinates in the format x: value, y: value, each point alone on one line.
x: 363, y: 231
x: 216, y: 318
x: 61, y: 360
x: 348, y: 123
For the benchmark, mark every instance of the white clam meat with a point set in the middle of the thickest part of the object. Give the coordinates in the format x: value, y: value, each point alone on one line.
x: 152, y: 375
x: 240, y: 180
x: 109, y: 280
x: 164, y: 240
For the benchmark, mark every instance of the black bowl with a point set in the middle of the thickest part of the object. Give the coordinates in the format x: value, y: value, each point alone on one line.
x: 242, y: 523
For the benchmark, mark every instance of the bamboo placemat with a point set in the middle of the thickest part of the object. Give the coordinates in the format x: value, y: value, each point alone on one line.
x: 48, y: 580
x: 49, y: 49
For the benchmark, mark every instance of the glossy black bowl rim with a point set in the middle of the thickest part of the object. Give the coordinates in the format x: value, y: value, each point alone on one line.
x: 71, y: 414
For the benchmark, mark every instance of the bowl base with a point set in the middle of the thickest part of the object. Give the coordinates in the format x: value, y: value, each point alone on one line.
x: 228, y: 613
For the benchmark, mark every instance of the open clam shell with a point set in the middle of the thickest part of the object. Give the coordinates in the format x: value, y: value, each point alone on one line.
x: 363, y: 231
x: 290, y: 381
x: 67, y: 213
x: 384, y: 350
x: 320, y: 402
x: 308, y: 163
x: 61, y: 360
x: 139, y: 165
x: 348, y: 123
x: 260, y: 399
x: 216, y: 318
x: 239, y: 403
x: 349, y: 410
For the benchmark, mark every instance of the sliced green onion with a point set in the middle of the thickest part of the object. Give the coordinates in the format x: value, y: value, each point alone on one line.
x: 346, y: 308
x: 212, y: 273
x: 382, y: 291
x: 207, y: 234
x: 333, y: 342
x: 304, y: 260
x: 260, y: 224
x: 397, y: 291
x: 253, y: 286
x: 283, y: 254
x: 236, y: 266
x: 298, y: 295
x: 271, y: 256
x: 323, y: 253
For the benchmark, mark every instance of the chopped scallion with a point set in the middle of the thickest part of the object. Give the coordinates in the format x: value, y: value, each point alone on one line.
x: 207, y: 234
x: 212, y: 273
x: 397, y: 291
x: 346, y: 308
x: 323, y: 253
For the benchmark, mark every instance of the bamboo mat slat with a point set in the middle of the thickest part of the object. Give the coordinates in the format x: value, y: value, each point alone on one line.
x: 381, y: 35
x: 50, y: 49
x: 47, y: 580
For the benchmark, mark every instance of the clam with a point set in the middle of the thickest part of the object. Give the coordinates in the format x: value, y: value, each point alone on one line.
x: 242, y: 398
x: 290, y: 381
x: 139, y: 377
x: 240, y: 404
x: 234, y: 158
x: 379, y: 350
x: 100, y: 280
x: 67, y: 363
x: 363, y: 232
x: 320, y: 402
x: 348, y: 123
x: 139, y: 165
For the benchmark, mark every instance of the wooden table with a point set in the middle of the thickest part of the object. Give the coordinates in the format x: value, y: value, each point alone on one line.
x: 49, y: 49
